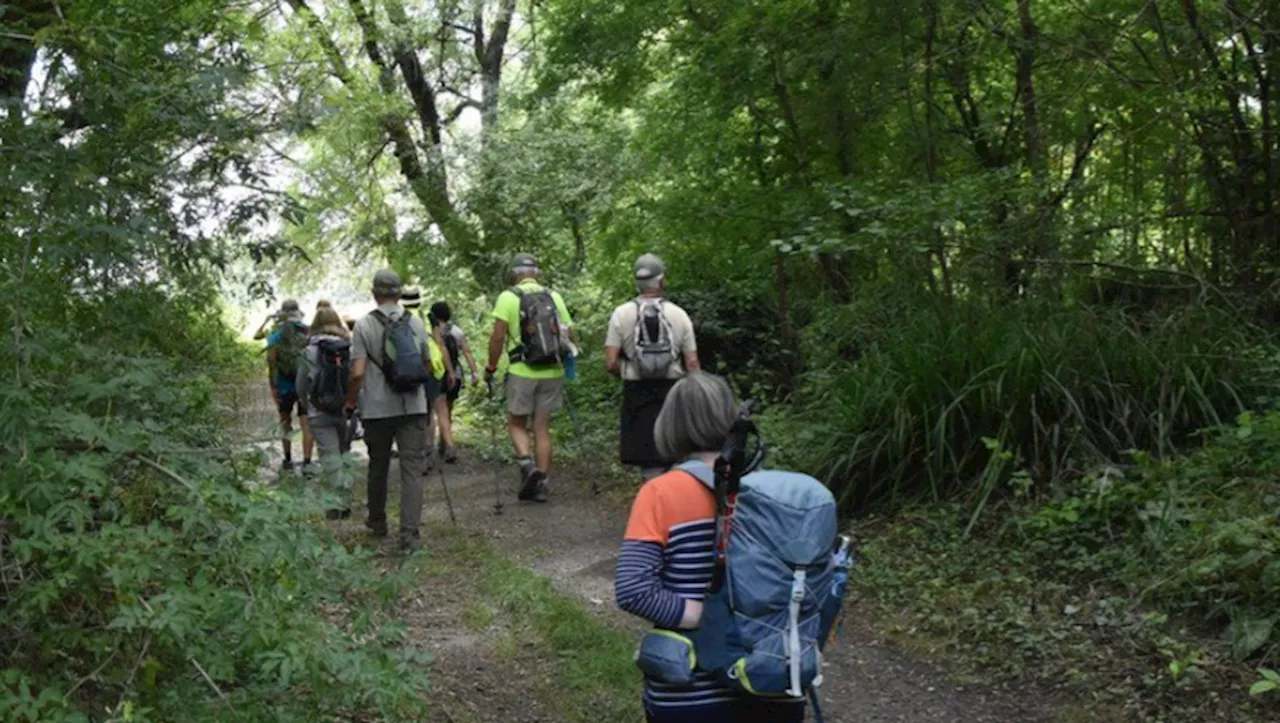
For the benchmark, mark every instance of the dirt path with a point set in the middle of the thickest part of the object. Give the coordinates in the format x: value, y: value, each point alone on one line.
x: 482, y: 672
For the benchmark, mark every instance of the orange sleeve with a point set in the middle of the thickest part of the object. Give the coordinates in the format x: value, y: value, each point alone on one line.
x: 647, y: 522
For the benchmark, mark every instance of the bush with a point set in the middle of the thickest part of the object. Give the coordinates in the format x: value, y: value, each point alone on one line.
x: 963, y: 397
x: 1154, y: 582
x: 145, y: 576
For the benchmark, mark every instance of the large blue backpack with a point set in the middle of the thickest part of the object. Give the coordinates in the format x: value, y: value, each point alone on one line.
x: 779, y: 587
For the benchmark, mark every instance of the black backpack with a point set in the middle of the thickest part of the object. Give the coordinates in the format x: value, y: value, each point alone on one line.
x: 290, y: 348
x: 451, y: 346
x: 402, y: 361
x: 540, y: 343
x: 332, y: 372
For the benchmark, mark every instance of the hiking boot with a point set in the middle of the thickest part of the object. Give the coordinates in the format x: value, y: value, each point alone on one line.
x: 379, y: 529
x: 541, y: 494
x: 286, y: 466
x: 308, y: 469
x: 532, y: 485
x: 450, y: 455
x: 410, y: 542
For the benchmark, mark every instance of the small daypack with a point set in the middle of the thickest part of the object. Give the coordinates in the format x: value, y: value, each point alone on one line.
x: 331, y: 375
x: 290, y: 348
x: 655, y: 352
x: 540, y: 343
x: 402, y: 363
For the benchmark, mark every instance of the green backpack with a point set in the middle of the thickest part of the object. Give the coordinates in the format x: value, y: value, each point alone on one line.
x: 290, y: 349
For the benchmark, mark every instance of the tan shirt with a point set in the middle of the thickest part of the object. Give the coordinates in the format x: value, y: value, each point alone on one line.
x: 622, y: 335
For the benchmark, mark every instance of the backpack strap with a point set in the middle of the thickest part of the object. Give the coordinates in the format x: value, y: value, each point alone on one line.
x: 383, y: 365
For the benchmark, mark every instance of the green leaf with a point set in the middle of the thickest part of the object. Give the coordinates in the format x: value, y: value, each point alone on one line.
x: 1263, y: 686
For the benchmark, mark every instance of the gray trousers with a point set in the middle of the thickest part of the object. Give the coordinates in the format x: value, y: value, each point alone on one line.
x: 410, y: 436
x: 330, y: 432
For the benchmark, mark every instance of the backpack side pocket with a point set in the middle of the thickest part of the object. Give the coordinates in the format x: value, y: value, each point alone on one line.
x: 667, y: 656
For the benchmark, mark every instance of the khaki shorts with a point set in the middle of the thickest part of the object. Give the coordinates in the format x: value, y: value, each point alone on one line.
x: 526, y: 396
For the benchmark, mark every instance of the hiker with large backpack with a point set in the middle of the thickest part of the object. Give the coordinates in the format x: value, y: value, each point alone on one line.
x: 391, y: 379
x: 322, y: 381
x: 285, y: 347
x: 740, y: 570
x: 455, y: 348
x: 650, y: 345
x: 532, y: 325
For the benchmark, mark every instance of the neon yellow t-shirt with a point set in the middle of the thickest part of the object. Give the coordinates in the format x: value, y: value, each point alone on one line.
x: 507, y: 308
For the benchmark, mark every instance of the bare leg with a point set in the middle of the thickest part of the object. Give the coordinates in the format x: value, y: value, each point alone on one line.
x: 443, y: 420
x: 286, y: 435
x: 542, y: 436
x: 308, y: 442
x: 517, y: 427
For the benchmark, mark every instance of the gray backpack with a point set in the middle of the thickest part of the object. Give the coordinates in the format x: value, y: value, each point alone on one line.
x: 655, y: 352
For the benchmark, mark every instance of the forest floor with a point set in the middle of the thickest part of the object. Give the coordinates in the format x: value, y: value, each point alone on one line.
x: 517, y: 612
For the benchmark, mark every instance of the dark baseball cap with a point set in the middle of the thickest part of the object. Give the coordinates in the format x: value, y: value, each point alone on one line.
x: 524, y: 261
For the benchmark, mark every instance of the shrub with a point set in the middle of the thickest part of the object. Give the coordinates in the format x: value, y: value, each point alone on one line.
x: 959, y: 398
x: 144, y: 577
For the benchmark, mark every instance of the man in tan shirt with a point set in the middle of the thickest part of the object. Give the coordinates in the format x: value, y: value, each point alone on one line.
x: 650, y: 345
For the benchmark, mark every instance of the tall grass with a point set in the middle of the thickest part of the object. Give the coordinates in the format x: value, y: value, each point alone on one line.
x: 962, y: 399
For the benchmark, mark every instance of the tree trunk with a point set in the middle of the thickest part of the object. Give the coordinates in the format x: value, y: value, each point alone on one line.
x: 21, y: 20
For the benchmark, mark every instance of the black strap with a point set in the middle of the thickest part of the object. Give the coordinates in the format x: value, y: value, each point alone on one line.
x: 817, y: 708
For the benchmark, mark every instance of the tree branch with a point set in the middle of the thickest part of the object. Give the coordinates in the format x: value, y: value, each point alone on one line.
x: 331, y: 51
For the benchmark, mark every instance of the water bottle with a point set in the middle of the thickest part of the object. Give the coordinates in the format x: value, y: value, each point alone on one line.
x: 570, y: 362
x: 843, y: 560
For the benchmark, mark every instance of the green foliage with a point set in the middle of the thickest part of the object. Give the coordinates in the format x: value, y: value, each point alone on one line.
x: 1163, y: 572
x: 146, y: 577
x: 969, y: 397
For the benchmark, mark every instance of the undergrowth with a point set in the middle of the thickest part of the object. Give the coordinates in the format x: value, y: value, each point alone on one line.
x: 1152, y: 586
x: 930, y: 402
x: 146, y: 575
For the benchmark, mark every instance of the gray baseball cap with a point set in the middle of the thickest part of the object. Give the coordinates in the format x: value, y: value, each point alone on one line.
x: 524, y: 261
x: 649, y: 266
x: 290, y: 311
x: 386, y: 284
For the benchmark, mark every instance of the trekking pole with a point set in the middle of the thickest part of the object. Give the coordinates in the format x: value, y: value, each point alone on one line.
x: 448, y: 502
x: 577, y: 427
x: 497, y: 454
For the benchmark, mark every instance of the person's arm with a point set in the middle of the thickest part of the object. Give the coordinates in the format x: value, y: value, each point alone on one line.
x: 471, y: 360
x: 638, y: 587
x: 613, y: 344
x: 613, y: 360
x: 565, y: 320
x: 359, y: 362
x: 263, y: 329
x: 689, y: 348
x: 497, y: 340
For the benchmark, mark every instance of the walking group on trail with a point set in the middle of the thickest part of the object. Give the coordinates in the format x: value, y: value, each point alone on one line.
x: 740, y: 569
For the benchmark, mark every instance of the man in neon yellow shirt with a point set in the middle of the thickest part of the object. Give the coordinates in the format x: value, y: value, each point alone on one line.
x: 532, y: 325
